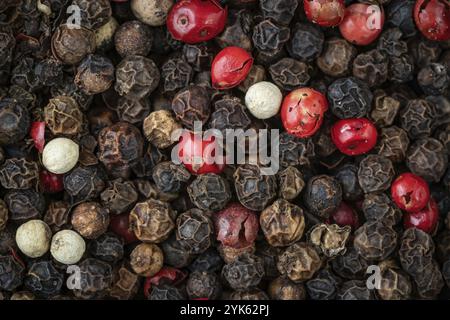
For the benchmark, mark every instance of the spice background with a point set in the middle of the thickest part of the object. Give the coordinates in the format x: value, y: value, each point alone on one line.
x: 92, y: 207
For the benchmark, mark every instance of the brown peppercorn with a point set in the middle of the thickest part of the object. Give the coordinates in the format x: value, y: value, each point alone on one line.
x: 95, y: 74
x: 90, y: 219
x: 133, y: 38
x: 24, y: 205
x: 120, y: 146
x: 146, y: 259
x: 283, y: 223
x: 94, y: 14
x: 419, y: 118
x: 195, y: 229
x: 238, y: 31
x: 375, y: 241
x: 63, y: 116
x: 3, y: 214
x: 230, y: 254
x: 375, y: 173
x: 253, y: 294
x: 57, y: 215
x: 393, y: 144
x: 257, y: 74
x: 299, y: 262
x: 385, y: 109
x: 295, y: 151
x: 119, y: 196
x: 254, y: 191
x: 336, y: 57
x: 203, y: 285
x: 416, y: 251
x: 133, y: 111
x: 229, y: 113
x: 379, y: 207
x: 71, y: 45
x: 96, y: 279
x: 85, y: 183
x: 282, y: 288
x: 159, y: 127
x: 169, y: 177
x: 209, y: 192
x: 290, y: 74
x: 199, y: 56
x: 192, y: 104
x: 395, y: 283
x: 14, y: 121
x: 323, y: 195
x: 152, y: 221
x: 19, y: 174
x: 136, y: 77
x: 125, y: 286
x: 429, y: 283
x: 371, y: 67
x: 177, y: 74
x: 290, y: 182
x: 330, y: 239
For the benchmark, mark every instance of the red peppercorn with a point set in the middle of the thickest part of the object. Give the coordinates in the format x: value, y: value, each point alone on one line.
x: 37, y: 133
x: 354, y: 136
x: 199, y: 155
x: 194, y: 21
x: 236, y: 226
x: 345, y: 216
x: 432, y: 18
x: 230, y: 67
x: 168, y: 275
x: 410, y: 192
x: 302, y: 112
x: 326, y: 13
x: 425, y: 219
x: 50, y: 182
x: 362, y: 23
x: 120, y: 225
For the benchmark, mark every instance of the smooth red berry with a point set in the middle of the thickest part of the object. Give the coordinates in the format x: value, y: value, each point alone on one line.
x: 236, y: 226
x: 199, y: 155
x: 345, y: 216
x: 166, y: 274
x: 362, y: 23
x: 326, y: 13
x: 302, y: 112
x: 230, y: 67
x: 425, y: 219
x: 354, y: 136
x: 432, y: 18
x: 50, y: 182
x: 37, y: 133
x: 194, y: 21
x: 410, y: 192
x: 120, y: 225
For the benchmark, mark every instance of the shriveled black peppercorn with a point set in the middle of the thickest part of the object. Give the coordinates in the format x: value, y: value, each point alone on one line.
x: 323, y: 195
x: 347, y: 176
x: 195, y: 229
x: 14, y: 121
x: 323, y: 286
x: 295, y: 151
x: 306, y: 42
x: 371, y: 67
x: 108, y: 247
x: 177, y: 253
x: 336, y: 57
x: 354, y: 290
x: 85, y: 183
x: 379, y: 207
x: 282, y: 288
x: 375, y: 173
x: 208, y: 261
x: 12, y: 273
x: 95, y: 279
x: 229, y: 113
x: 177, y: 74
x: 418, y: 118
x: 24, y: 205
x: 43, y: 279
x: 209, y: 192
x: 170, y: 177
x: 18, y: 174
x: 375, y: 241
x: 203, y: 285
x: 289, y: 73
x: 166, y: 292
x: 192, y: 104
x: 281, y: 11
x: 245, y: 272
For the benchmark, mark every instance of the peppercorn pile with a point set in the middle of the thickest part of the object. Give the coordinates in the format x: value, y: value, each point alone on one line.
x: 93, y: 207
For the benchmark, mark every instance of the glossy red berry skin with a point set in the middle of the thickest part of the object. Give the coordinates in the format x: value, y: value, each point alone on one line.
x: 302, y: 112
x: 362, y: 23
x: 50, y: 182
x: 37, y: 133
x: 120, y: 225
x: 194, y: 21
x: 354, y: 136
x: 326, y: 13
x: 345, y: 216
x: 425, y: 219
x: 167, y: 275
x: 198, y: 155
x: 432, y: 18
x: 410, y: 192
x: 236, y: 226
x: 230, y: 67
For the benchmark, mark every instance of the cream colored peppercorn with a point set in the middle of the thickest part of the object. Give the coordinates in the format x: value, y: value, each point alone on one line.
x: 263, y: 100
x: 33, y: 238
x: 152, y: 12
x: 158, y: 128
x: 67, y: 247
x: 60, y: 155
x: 105, y: 35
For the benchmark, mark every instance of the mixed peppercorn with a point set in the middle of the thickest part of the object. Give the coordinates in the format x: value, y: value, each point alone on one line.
x: 358, y: 89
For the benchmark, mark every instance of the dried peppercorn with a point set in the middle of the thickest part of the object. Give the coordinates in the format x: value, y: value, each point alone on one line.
x: 71, y: 45
x: 385, y: 109
x: 18, y: 174
x: 270, y: 38
x: 347, y: 176
x: 229, y: 113
x: 108, y: 247
x: 177, y: 74
x: 14, y: 121
x: 95, y: 74
x: 90, y: 219
x: 401, y: 69
x: 399, y: 15
x: 354, y: 290
x: 67, y: 87
x: 95, y: 279
x: 245, y: 272
x: 24, y: 205
x: 67, y: 247
x: 251, y: 294
x: 199, y: 56
x: 299, y: 262
x: 429, y: 283
x: 371, y: 67
x: 379, y: 207
x: 283, y: 223
x: 282, y: 288
x: 391, y: 43
x: 323, y: 195
x: 3, y: 214
x: 395, y: 283
x: 93, y: 16
x: 43, y: 279
x: 85, y: 183
x: 133, y: 38
x: 238, y: 31
x: 177, y: 253
x: 195, y: 229
x: 375, y: 173
x: 330, y: 239
x: 393, y: 144
x: 170, y: 177
x: 57, y: 215
x: 152, y: 221
x: 323, y: 286
x: 49, y: 72
x: 433, y: 79
x: 290, y: 181
x: 336, y: 57
x: 208, y: 261
x: 269, y: 255
x: 281, y: 11
x: 146, y: 259
x: 230, y: 254
x: 33, y: 238
x: 125, y: 286
x: 12, y: 273
x: 306, y: 42
x: 166, y: 292
x: 209, y: 192
x: 427, y: 158
x: 254, y: 191
x: 289, y: 73
x: 119, y: 196
x: 425, y: 51
x: 416, y: 251
x: 203, y: 285
x: 295, y: 151
x: 375, y: 241
x: 63, y: 116
x: 350, y: 265
x: 192, y: 104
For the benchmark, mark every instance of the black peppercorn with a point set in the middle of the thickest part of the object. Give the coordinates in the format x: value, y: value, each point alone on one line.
x: 208, y: 261
x: 90, y: 219
x: 323, y: 286
x: 269, y: 37
x: 434, y: 79
x: 336, y: 57
x: 63, y: 116
x: 429, y: 283
x: 347, y: 176
x: 282, y: 288
x: 425, y: 51
x: 323, y: 195
x: 95, y: 74
x: 119, y: 196
x: 399, y: 15
x: 245, y: 272
x: 401, y: 69
x: 177, y: 253
x: 43, y: 279
x: 126, y: 285
x: 354, y: 290
x: 391, y: 43
x: 290, y: 182
x: 306, y: 42
x: 254, y: 191
x: 133, y: 38
x: 132, y: 111
x: 68, y: 88
x: 251, y: 294
x: 375, y: 173
x: 416, y: 251
x: 85, y: 183
x: 14, y: 121
x: 7, y: 44
x: 330, y: 239
x: 95, y: 279
x: 379, y: 207
x: 203, y: 285
x: 166, y: 292
x: 349, y: 98
x: 229, y: 113
x: 395, y: 284
x: 299, y: 262
x: 18, y: 174
x: 281, y: 11
x: 170, y: 177
x: 289, y: 73
x: 94, y: 15
x: 371, y: 67
x: 177, y: 74
x: 23, y: 75
x: 108, y: 247
x: 238, y: 31
x: 12, y: 273
x: 419, y: 118
x: 71, y: 45
x: 375, y: 241
x: 350, y: 265
x: 192, y: 104
x: 269, y: 255
x: 3, y: 214
x: 209, y: 192
x: 49, y: 72
x: 385, y: 109
x: 195, y: 229
x: 199, y: 56
x: 393, y: 144
x: 24, y: 205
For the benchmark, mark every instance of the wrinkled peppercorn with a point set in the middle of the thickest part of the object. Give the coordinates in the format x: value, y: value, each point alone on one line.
x: 199, y: 56
x: 63, y: 116
x: 108, y: 247
x: 90, y: 219
x: 290, y: 182
x: 395, y: 284
x: 336, y: 57
x: 209, y: 192
x: 125, y: 286
x: 24, y: 205
x: 306, y: 42
x: 203, y: 285
x: 146, y: 259
x: 95, y: 279
x: 133, y: 38
x: 245, y: 272
x: 14, y: 121
x: 354, y: 290
x: 375, y: 241
x: 119, y: 196
x: 379, y: 207
x: 282, y: 288
x: 57, y: 215
x: 371, y: 67
x: 281, y: 11
x: 85, y: 183
x: 393, y: 144
x: 385, y: 109
x: 289, y: 73
x: 195, y: 229
x: 375, y: 173
x: 95, y: 74
x: 330, y: 239
x: 295, y: 151
x: 323, y: 286
x: 170, y: 177
x: 192, y: 104
x: 434, y: 79
x: 299, y: 262
x: 347, y: 176
x: 71, y: 45
x: 94, y: 15
x: 177, y: 253
x: 323, y: 195
x: 18, y: 174
x: 12, y: 273
x: 229, y: 113
x: 418, y: 118
x: 43, y: 279
x: 177, y: 74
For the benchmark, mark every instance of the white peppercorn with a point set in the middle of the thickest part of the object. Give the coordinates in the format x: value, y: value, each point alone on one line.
x: 33, y: 238
x: 67, y: 247
x: 263, y: 100
x: 60, y: 155
x: 151, y: 12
